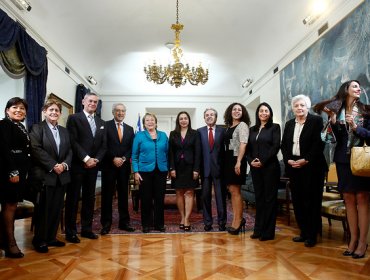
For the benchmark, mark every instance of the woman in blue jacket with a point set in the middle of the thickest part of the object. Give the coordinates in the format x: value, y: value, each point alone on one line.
x: 150, y: 165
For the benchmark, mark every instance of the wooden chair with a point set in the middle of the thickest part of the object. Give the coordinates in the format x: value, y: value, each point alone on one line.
x: 284, y: 196
x: 333, y: 206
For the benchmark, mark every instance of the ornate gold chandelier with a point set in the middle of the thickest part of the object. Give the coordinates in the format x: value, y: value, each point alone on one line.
x: 176, y: 74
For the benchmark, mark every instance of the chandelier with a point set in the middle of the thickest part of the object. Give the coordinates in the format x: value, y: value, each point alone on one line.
x: 176, y: 74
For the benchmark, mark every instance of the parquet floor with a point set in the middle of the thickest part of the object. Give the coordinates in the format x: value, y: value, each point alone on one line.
x: 188, y: 256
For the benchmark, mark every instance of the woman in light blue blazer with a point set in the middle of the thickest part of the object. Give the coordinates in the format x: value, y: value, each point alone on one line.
x: 150, y: 165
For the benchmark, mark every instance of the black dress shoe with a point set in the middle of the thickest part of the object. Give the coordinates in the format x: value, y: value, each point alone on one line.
x: 126, y: 228
x: 11, y: 255
x: 265, y: 238
x: 310, y: 243
x: 73, y: 239
x: 146, y: 229
x: 89, y: 235
x: 41, y: 248
x: 56, y: 243
x: 222, y: 228
x: 104, y: 231
x: 161, y: 229
x: 298, y: 239
x: 208, y: 227
x: 255, y: 236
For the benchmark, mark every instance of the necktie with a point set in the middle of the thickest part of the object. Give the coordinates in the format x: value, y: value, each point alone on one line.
x: 119, y: 132
x: 92, y: 124
x: 56, y: 137
x: 210, y: 139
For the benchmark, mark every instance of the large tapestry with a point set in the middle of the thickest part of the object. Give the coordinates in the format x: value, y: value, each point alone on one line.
x: 342, y: 54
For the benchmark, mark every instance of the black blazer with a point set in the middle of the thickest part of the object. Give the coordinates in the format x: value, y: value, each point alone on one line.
x: 82, y: 140
x: 190, y: 148
x: 266, y: 147
x: 45, y: 155
x: 115, y: 148
x: 15, y: 152
x: 311, y: 145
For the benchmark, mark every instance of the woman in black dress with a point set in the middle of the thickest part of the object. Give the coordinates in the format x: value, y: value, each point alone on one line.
x: 236, y: 138
x: 350, y: 120
x: 184, y: 157
x: 263, y: 147
x: 14, y: 165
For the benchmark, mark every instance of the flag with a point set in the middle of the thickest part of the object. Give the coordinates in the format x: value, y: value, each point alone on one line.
x: 138, y: 125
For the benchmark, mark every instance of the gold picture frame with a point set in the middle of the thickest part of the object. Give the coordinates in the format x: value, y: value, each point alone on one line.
x: 67, y: 109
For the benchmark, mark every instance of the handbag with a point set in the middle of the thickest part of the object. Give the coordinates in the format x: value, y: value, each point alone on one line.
x: 327, y: 134
x: 360, y: 161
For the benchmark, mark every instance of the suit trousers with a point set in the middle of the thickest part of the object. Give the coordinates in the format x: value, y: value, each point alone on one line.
x: 265, y: 183
x: 48, y: 209
x: 83, y: 182
x: 115, y: 179
x: 220, y: 195
x: 307, y: 187
x: 152, y: 191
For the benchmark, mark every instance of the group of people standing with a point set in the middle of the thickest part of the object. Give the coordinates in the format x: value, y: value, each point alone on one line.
x: 52, y: 160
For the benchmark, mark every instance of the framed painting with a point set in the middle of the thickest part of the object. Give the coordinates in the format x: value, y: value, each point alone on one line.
x: 67, y: 109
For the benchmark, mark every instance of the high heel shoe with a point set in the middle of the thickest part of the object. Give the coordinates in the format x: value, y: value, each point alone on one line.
x: 357, y: 256
x: 241, y: 228
x: 187, y: 228
x: 9, y: 252
x: 348, y: 253
x: 182, y: 226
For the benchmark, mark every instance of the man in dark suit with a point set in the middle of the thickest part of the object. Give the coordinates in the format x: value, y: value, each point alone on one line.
x: 89, y: 144
x: 50, y: 174
x: 212, y: 138
x: 116, y: 169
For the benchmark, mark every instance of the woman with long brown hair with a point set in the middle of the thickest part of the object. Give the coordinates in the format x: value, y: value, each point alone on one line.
x: 349, y: 118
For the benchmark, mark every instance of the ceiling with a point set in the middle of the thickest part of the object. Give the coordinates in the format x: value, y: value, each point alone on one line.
x: 112, y: 40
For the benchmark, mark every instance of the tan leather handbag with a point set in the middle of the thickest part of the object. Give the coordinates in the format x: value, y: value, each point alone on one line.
x: 360, y: 161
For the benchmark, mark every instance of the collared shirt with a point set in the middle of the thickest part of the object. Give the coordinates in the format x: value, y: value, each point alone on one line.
x: 296, y: 135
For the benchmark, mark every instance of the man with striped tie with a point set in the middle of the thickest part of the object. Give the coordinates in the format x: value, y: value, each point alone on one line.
x: 89, y: 144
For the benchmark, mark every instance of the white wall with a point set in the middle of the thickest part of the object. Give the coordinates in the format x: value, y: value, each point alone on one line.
x: 9, y: 88
x: 169, y: 106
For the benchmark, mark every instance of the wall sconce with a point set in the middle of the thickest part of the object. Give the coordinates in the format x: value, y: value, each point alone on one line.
x: 22, y: 4
x: 247, y: 83
x: 310, y: 19
x: 92, y: 80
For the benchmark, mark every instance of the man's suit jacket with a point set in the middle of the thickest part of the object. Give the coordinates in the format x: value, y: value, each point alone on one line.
x: 189, y: 148
x: 82, y: 140
x: 310, y: 143
x: 45, y: 155
x: 115, y: 148
x: 212, y: 160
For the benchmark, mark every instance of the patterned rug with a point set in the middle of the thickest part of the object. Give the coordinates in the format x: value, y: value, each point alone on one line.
x: 172, y: 218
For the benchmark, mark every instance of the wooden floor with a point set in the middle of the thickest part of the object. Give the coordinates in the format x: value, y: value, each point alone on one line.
x: 188, y: 256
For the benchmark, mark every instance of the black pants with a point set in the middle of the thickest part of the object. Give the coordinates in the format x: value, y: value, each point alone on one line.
x: 115, y: 179
x: 265, y: 183
x: 83, y: 182
x: 152, y: 191
x: 306, y: 184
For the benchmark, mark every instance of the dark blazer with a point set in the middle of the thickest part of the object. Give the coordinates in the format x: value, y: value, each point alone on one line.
x: 15, y: 151
x: 82, y: 140
x: 266, y: 147
x: 115, y: 148
x: 45, y: 155
x: 311, y: 145
x: 190, y: 148
x: 212, y: 160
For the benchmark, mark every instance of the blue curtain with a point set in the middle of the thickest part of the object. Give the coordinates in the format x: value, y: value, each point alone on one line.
x: 34, y: 58
x: 81, y: 90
